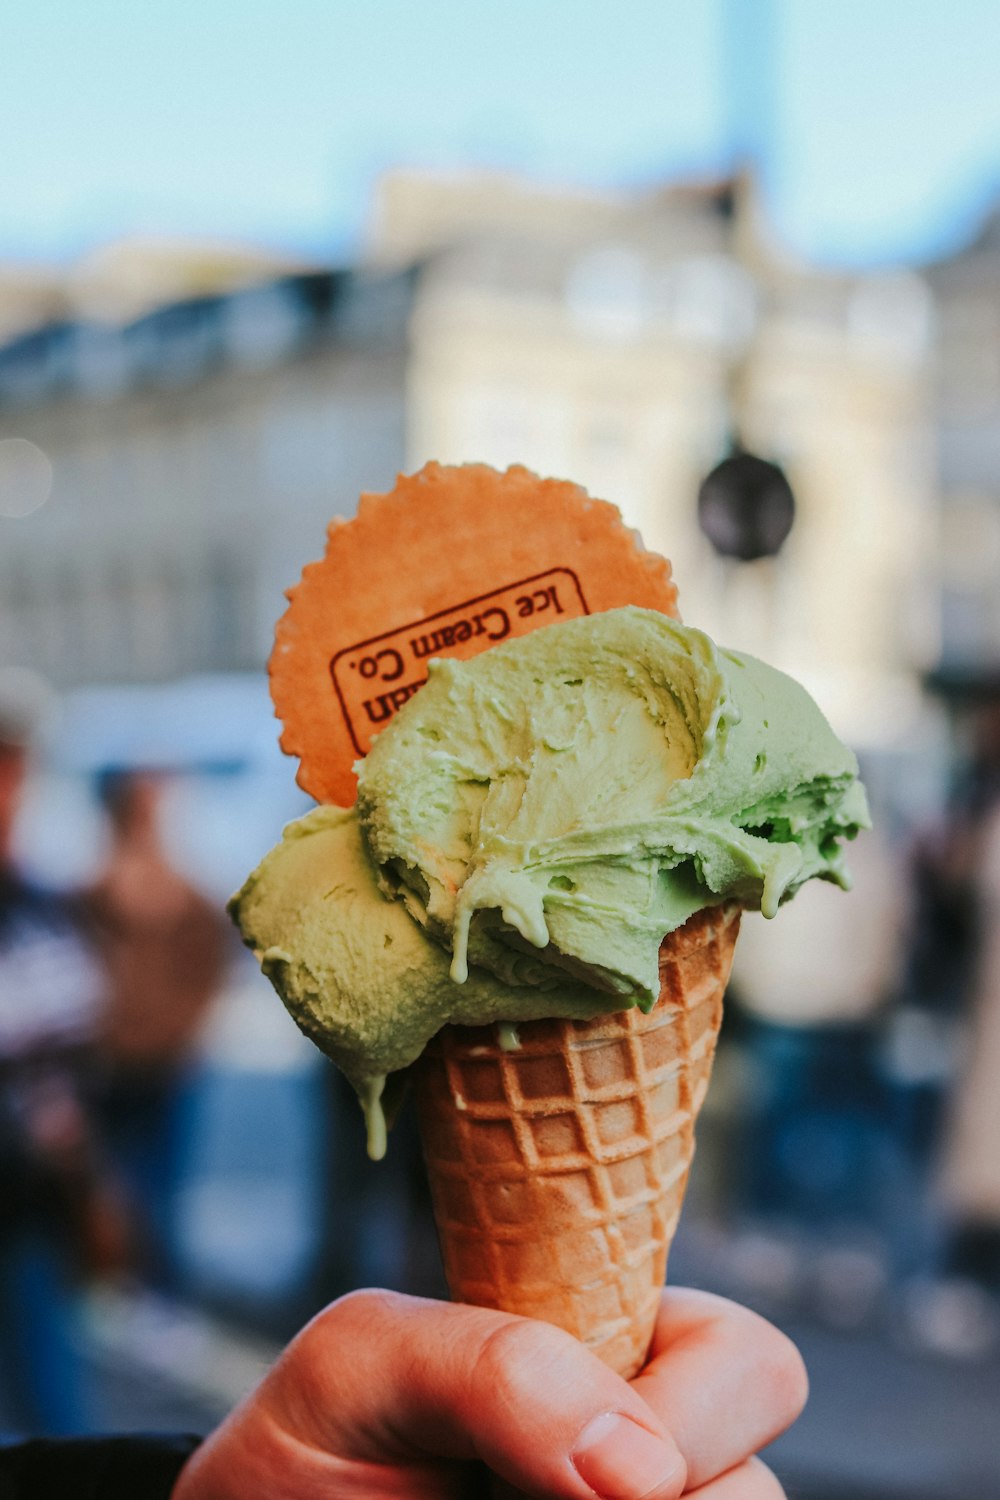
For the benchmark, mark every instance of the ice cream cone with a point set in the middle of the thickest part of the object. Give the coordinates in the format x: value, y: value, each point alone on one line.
x: 558, y: 1168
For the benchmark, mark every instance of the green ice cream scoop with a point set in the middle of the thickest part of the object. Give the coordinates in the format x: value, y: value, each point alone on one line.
x: 358, y: 975
x: 530, y: 827
x: 561, y: 802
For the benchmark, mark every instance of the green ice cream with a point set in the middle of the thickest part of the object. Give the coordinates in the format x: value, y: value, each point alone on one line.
x: 533, y: 823
x: 565, y: 800
x: 359, y: 976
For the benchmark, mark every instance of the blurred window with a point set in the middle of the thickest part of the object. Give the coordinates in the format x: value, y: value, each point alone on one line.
x: 607, y: 293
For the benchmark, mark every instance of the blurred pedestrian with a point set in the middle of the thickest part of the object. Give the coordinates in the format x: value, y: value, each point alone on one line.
x: 956, y: 973
x: 163, y: 948
x: 59, y: 1213
x: 972, y: 1155
x: 820, y: 1147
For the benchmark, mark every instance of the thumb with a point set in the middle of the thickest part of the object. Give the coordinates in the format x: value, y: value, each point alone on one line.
x: 383, y: 1379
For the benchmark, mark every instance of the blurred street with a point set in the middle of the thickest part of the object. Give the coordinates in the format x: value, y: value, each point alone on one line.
x: 882, y: 1425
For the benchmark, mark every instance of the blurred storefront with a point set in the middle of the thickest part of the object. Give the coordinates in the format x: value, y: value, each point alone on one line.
x: 966, y: 290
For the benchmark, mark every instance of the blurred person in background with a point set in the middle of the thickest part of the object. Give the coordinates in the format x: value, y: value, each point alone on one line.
x: 818, y: 1147
x: 964, y: 863
x: 972, y: 1157
x: 60, y: 1216
x: 163, y: 947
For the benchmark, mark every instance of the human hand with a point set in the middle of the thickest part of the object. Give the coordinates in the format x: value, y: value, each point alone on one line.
x: 388, y: 1397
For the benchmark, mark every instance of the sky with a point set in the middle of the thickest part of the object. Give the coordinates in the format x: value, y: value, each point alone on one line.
x: 875, y: 123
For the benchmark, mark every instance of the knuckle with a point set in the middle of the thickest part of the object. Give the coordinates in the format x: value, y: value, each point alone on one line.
x: 779, y: 1372
x: 517, y: 1359
x: 360, y: 1315
x: 317, y: 1374
x: 787, y: 1378
x: 359, y: 1309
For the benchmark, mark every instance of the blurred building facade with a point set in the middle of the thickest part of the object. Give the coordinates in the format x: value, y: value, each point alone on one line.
x: 178, y: 423
x: 628, y: 342
x: 169, y: 461
x: 966, y: 290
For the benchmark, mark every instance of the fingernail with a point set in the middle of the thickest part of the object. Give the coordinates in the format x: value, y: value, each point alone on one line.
x: 622, y: 1461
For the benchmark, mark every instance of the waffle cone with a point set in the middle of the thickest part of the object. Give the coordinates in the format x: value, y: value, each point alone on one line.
x: 558, y: 1170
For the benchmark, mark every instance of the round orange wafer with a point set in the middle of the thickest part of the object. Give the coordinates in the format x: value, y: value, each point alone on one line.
x: 447, y: 563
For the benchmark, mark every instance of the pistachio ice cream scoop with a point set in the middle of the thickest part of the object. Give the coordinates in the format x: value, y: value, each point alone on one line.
x: 562, y: 802
x: 532, y: 825
x: 358, y: 975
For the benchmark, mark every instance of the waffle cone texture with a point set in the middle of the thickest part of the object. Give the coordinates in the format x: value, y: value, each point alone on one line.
x: 558, y: 1170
